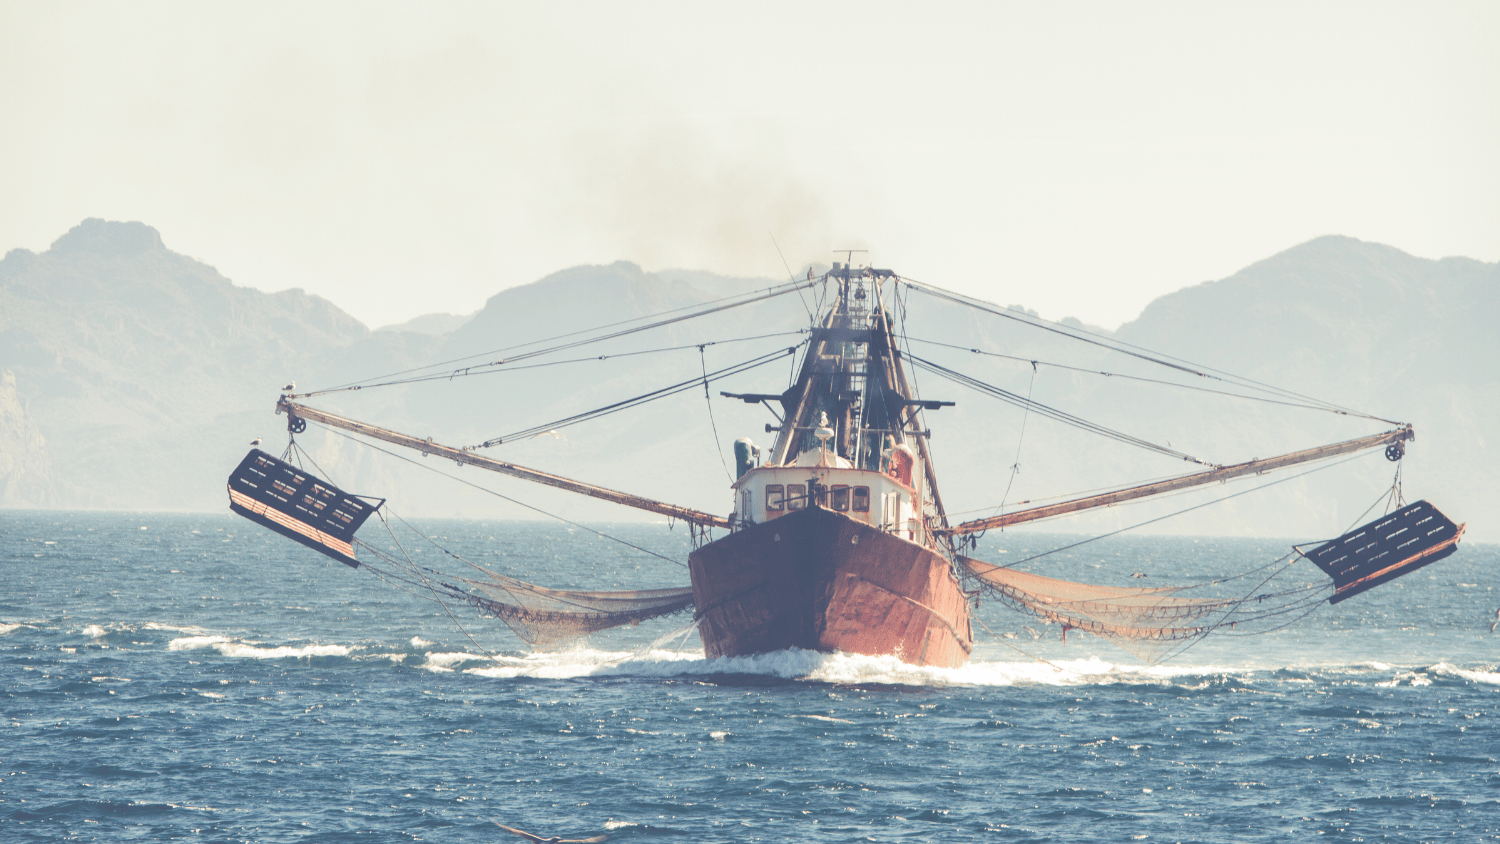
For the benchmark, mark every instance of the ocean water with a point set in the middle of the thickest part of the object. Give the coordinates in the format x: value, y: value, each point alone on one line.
x: 194, y: 677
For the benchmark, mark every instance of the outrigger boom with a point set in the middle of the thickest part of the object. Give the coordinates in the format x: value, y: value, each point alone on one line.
x: 1218, y: 473
x: 464, y: 456
x: 839, y: 541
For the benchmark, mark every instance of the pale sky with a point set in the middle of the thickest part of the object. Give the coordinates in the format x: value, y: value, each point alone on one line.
x: 1078, y: 158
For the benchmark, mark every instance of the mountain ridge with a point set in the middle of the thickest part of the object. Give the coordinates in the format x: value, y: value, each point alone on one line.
x: 131, y: 377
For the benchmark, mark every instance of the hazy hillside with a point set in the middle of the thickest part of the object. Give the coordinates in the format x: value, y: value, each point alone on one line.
x: 1361, y: 325
x: 133, y: 377
x: 138, y: 372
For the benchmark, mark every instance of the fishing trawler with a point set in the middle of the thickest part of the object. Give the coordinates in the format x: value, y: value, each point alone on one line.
x: 838, y: 539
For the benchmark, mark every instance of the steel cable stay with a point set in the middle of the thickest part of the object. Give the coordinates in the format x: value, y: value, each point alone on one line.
x: 600, y: 534
x: 1087, y: 371
x: 429, y: 467
x: 1138, y: 501
x: 644, y: 398
x: 1067, y: 496
x: 1131, y: 349
x: 1050, y: 412
x: 504, y: 367
x: 1085, y: 612
x: 1199, y: 506
x: 756, y: 296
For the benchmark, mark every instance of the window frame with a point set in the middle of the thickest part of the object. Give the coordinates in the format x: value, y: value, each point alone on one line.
x: 778, y: 503
x: 796, y: 496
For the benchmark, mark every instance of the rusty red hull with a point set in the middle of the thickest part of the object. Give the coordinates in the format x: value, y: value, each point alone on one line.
x: 817, y: 580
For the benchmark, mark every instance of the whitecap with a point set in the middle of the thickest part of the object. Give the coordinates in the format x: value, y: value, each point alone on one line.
x: 1488, y: 677
x: 231, y: 648
x: 840, y: 668
x: 234, y: 649
x: 193, y: 643
x: 93, y: 631
x: 175, y: 628
x: 577, y: 662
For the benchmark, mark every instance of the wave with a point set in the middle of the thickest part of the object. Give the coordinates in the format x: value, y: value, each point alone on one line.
x: 241, y: 650
x: 853, y: 669
x: 1489, y: 677
x: 812, y: 666
x: 795, y: 665
x: 175, y: 628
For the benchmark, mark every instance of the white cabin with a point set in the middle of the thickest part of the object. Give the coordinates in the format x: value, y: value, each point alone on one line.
x: 890, y: 501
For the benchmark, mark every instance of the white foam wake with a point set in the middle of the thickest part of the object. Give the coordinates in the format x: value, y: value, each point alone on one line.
x: 1491, y: 678
x: 241, y: 650
x: 844, y: 669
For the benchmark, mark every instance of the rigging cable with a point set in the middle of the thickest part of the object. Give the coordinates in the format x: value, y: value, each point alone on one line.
x: 441, y: 602
x: 810, y: 318
x: 1015, y: 468
x: 769, y: 293
x: 1130, y: 349
x: 1189, y: 510
x: 487, y: 369
x: 626, y: 404
x: 708, y: 400
x: 1051, y: 412
x: 1323, y: 406
x: 501, y: 496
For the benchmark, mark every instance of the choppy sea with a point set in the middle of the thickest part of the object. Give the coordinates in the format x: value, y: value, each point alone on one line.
x: 167, y: 677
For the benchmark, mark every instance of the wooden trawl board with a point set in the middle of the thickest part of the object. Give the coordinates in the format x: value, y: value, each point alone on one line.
x: 1385, y: 549
x: 297, y: 505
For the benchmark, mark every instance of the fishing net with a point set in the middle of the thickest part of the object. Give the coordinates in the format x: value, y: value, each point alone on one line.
x: 1147, y: 622
x: 539, y: 615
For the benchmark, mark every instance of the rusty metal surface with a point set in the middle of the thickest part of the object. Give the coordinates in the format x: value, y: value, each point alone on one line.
x: 1219, y: 473
x: 458, y: 455
x: 818, y: 580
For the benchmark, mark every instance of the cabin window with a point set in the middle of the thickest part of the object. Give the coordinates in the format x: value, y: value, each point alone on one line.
x: 861, y: 499
x: 796, y: 496
x: 775, y: 495
x: 745, y: 505
x: 840, y: 498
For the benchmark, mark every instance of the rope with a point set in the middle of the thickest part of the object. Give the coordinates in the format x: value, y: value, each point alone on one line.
x: 708, y: 400
x: 501, y: 496
x: 1130, y: 349
x: 792, y: 276
x: 770, y: 293
x: 1015, y: 468
x: 1051, y: 412
x: 1267, y: 485
x: 1315, y: 406
x: 626, y: 404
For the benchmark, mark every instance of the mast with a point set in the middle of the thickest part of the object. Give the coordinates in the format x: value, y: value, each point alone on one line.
x: 1391, y: 439
x: 904, y: 388
x: 464, y: 456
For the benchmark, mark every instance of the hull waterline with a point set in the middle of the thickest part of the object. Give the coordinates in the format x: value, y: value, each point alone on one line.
x: 817, y: 580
